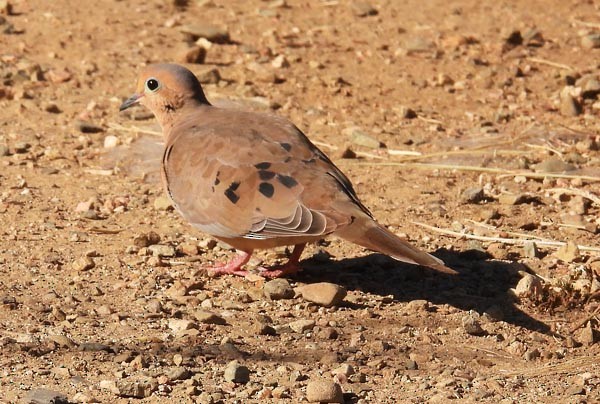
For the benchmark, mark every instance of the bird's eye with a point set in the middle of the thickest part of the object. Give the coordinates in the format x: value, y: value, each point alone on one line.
x: 152, y: 84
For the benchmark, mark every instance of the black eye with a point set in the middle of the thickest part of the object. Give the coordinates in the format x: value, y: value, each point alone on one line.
x: 152, y: 84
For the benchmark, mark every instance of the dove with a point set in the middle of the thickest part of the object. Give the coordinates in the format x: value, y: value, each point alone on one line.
x: 254, y: 180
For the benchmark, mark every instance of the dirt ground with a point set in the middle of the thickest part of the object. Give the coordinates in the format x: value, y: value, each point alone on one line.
x: 478, y: 119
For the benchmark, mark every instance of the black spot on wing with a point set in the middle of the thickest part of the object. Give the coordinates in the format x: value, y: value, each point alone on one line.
x: 230, y: 192
x: 265, y: 165
x: 266, y: 175
x: 266, y: 189
x: 287, y: 181
x: 286, y: 146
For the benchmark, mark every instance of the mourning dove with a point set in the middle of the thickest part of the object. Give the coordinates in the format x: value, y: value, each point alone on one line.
x: 254, y: 180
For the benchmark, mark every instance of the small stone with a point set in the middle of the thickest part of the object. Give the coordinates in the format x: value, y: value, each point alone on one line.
x: 406, y: 112
x: 234, y: 372
x: 210, y: 76
x: 111, y: 141
x: 512, y: 199
x: 323, y: 293
x: 301, y: 326
x: 83, y: 264
x: 529, y: 286
x: 163, y: 203
x: 278, y: 289
x: 280, y: 62
x: 472, y: 326
x: 344, y: 369
x: 569, y: 105
x: 590, y: 41
x: 568, y: 252
x: 62, y: 341
x: 210, y: 32
x: 178, y: 325
x: 532, y: 355
x: 472, y: 195
x: 136, y: 389
x: 530, y: 249
x: 161, y: 250
x: 363, y: 9
x: 360, y: 138
x: 178, y: 373
x: 45, y: 396
x: 207, y: 317
x: 588, y: 335
x: 324, y: 392
x: 189, y: 249
x: 87, y: 127
x: 52, y: 108
x: 554, y: 165
x: 575, y: 390
x: 146, y: 239
x: 194, y: 54
x: 6, y: 7
x: 417, y: 305
x: 82, y: 398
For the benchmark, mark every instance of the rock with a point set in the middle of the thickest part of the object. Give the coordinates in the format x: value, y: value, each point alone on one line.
x: 146, y: 239
x: 323, y: 293
x: 111, y: 141
x: 363, y: 9
x: 6, y: 7
x: 344, y: 369
x: 178, y: 373
x: 406, y: 112
x: 324, y: 392
x: 472, y: 195
x: 136, y: 389
x: 529, y: 286
x: 161, y: 250
x: 163, y: 203
x: 210, y: 32
x: 207, y: 317
x: 178, y: 325
x: 62, y: 341
x: 569, y: 105
x: 234, y: 372
x: 591, y: 88
x: 590, y: 41
x: 82, y: 398
x: 210, y: 76
x: 532, y: 354
x: 471, y: 325
x: 188, y: 248
x: 87, y: 127
x: 45, y: 396
x: 513, y: 199
x: 83, y: 264
x: 575, y: 390
x: 278, y: 289
x: 417, y: 305
x: 568, y: 252
x: 300, y: 326
x: 194, y: 54
x: 280, y: 62
x: 588, y: 335
x: 360, y: 138
x: 530, y: 249
x: 52, y: 108
x: 554, y: 165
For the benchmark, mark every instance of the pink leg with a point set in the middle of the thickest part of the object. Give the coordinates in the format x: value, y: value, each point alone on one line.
x: 289, y: 268
x: 233, y: 267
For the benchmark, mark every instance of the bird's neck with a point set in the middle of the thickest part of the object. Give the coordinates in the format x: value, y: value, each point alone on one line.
x: 168, y: 117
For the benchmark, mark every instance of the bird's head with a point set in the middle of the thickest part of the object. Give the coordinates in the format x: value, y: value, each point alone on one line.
x: 165, y: 89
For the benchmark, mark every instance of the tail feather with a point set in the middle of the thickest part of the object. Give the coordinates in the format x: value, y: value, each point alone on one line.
x: 375, y: 237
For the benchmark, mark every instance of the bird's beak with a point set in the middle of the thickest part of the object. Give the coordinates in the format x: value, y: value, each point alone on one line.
x: 131, y: 101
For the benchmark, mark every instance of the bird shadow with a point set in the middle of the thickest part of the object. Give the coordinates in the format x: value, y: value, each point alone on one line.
x: 481, y: 285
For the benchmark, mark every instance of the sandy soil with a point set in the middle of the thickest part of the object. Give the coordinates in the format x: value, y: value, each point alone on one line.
x: 477, y: 118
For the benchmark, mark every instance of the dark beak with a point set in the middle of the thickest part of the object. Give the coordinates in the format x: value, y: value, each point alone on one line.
x: 131, y: 101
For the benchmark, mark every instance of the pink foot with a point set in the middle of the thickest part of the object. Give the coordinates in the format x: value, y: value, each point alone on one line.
x: 233, y: 267
x: 289, y: 268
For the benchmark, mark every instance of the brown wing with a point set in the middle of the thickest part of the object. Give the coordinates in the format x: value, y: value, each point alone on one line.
x: 238, y: 174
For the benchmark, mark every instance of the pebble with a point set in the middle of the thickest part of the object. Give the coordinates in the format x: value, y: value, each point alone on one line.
x: 136, y: 389
x: 363, y: 9
x: 52, y: 108
x: 360, y: 138
x: 588, y: 335
x: 178, y: 325
x: 512, y: 199
x: 163, y: 203
x: 324, y: 392
x: 210, y: 76
x: 194, y: 54
x: 178, y: 373
x: 146, y: 239
x: 530, y: 249
x: 472, y: 195
x: 161, y: 250
x: 300, y: 326
x: 234, y: 372
x: 472, y: 326
x: 590, y: 41
x: 568, y: 252
x: 45, y: 396
x: 62, y: 341
x: 529, y: 286
x: 83, y: 264
x: 208, y: 317
x: 87, y: 127
x: 210, y: 32
x: 111, y: 141
x: 554, y: 165
x: 569, y: 105
x: 323, y: 293
x: 417, y: 305
x: 278, y: 289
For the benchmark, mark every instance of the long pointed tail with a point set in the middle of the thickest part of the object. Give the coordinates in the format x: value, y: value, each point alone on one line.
x: 373, y: 236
